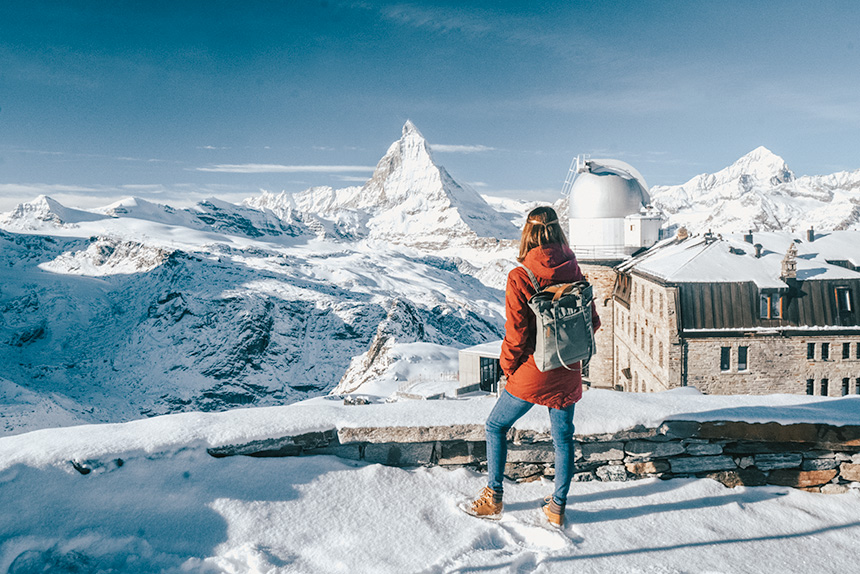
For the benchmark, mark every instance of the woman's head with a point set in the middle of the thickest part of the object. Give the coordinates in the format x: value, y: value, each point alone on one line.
x: 542, y: 228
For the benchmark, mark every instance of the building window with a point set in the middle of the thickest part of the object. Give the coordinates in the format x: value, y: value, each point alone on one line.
x: 845, y: 386
x: 846, y: 350
x: 490, y: 373
x: 824, y: 389
x: 771, y: 306
x: 843, y: 300
x: 857, y: 386
x: 660, y: 348
x: 660, y: 304
x: 725, y: 358
x: 651, y: 346
x: 810, y: 386
x: 651, y: 301
x: 742, y: 358
x: 635, y: 333
x: 857, y: 351
x: 810, y: 350
x: 825, y: 351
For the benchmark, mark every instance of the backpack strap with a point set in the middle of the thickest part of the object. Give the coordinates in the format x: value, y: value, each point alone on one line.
x: 535, y: 283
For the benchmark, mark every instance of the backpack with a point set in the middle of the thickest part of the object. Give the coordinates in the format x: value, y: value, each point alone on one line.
x: 563, y: 318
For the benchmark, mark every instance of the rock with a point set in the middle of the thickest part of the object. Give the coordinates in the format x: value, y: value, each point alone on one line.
x: 399, y: 454
x: 819, y: 454
x: 538, y: 452
x: 800, y: 478
x: 819, y: 464
x: 347, y: 451
x: 772, y: 461
x: 519, y: 471
x: 742, y: 477
x: 455, y: 453
x: 649, y: 467
x: 353, y: 400
x: 855, y: 458
x: 583, y: 477
x: 612, y: 472
x: 679, y: 429
x: 695, y: 464
x: 603, y: 451
x: 643, y: 449
x: 706, y: 449
x: 472, y: 432
x: 831, y: 488
x: 745, y: 461
x: 849, y: 471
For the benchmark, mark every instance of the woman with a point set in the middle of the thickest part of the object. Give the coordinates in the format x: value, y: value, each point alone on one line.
x: 543, y: 250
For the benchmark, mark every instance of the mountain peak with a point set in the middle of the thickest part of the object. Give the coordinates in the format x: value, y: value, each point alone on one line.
x: 410, y: 129
x: 764, y: 165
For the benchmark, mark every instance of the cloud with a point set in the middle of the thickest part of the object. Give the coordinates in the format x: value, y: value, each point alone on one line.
x: 351, y: 178
x: 275, y: 168
x: 211, y: 147
x: 444, y: 148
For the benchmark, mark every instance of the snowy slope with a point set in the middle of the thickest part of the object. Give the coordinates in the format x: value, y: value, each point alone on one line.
x: 761, y: 193
x: 143, y: 309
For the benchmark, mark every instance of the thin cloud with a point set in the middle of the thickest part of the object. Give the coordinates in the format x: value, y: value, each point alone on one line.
x: 444, y: 148
x: 351, y: 178
x: 276, y: 168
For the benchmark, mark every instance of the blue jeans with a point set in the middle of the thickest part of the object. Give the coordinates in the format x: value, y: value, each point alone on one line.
x: 507, y: 411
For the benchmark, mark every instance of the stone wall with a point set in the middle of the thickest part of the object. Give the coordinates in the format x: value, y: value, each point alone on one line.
x: 775, y: 364
x: 646, y: 339
x: 813, y: 457
x: 602, y: 278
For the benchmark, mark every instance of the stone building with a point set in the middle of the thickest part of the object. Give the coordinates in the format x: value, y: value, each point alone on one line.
x: 754, y: 314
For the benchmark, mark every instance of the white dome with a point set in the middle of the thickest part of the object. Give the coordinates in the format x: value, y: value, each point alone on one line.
x: 607, y: 189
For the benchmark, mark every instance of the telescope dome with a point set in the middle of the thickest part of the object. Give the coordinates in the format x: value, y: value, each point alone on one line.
x: 606, y: 188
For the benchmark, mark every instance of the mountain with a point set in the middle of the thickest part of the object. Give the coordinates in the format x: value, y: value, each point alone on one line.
x: 138, y: 309
x: 761, y: 193
x: 410, y: 199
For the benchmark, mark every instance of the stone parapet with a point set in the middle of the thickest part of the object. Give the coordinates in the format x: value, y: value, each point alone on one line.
x: 813, y: 457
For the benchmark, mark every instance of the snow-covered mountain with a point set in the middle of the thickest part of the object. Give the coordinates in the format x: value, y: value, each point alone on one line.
x: 412, y: 200
x: 138, y: 308
x: 760, y: 192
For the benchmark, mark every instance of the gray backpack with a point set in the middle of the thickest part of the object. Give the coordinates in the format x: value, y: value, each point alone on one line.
x: 563, y: 317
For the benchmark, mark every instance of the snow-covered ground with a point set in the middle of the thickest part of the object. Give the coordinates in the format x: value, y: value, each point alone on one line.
x: 170, y: 507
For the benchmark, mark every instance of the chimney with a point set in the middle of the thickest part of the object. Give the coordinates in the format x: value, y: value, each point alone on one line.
x: 748, y: 237
x: 683, y: 234
x: 789, y: 263
x: 757, y: 250
x: 810, y: 235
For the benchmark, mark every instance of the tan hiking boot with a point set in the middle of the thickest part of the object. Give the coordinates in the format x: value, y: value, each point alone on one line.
x: 554, y: 513
x: 485, y: 506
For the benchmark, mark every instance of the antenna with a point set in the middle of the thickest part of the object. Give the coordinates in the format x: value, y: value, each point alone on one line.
x: 577, y: 166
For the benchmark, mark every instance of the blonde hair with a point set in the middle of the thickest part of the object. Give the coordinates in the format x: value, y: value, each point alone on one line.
x: 541, y: 228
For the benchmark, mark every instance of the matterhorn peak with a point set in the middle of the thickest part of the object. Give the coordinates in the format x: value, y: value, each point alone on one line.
x: 409, y: 128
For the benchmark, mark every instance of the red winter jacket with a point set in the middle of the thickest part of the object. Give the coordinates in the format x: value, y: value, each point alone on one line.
x: 558, y: 388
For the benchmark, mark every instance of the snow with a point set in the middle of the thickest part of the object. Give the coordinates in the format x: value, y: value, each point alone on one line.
x: 730, y: 259
x: 761, y: 193
x: 170, y: 507
x: 163, y: 435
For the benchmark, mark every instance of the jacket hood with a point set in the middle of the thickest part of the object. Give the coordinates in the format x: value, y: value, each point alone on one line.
x: 555, y: 262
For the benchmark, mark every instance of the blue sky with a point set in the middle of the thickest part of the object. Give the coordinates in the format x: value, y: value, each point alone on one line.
x: 102, y: 99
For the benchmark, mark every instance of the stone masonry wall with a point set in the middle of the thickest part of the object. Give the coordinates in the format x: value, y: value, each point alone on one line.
x: 776, y: 364
x: 813, y: 457
x: 602, y: 278
x: 646, y: 339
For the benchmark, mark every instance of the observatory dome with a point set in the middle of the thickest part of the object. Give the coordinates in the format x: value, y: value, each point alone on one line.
x: 607, y: 189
